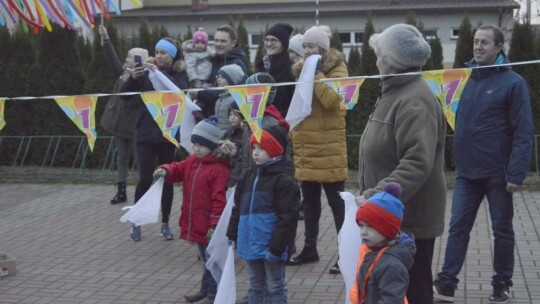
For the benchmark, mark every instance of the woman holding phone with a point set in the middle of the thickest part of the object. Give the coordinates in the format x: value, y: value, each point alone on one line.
x: 120, y: 114
x: 151, y: 147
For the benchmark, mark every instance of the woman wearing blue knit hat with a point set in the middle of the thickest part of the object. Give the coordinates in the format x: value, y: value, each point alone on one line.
x: 151, y: 147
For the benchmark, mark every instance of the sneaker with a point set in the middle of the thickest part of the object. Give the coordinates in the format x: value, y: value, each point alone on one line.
x: 442, y: 292
x: 500, y: 294
x: 166, y: 232
x: 135, y: 233
x: 335, y: 269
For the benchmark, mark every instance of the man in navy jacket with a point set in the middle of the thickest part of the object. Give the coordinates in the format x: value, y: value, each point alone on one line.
x: 492, y: 146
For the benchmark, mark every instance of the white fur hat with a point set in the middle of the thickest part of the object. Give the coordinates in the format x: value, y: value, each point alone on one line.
x: 295, y: 44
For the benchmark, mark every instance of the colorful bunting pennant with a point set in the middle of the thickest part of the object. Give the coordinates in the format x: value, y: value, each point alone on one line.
x: 348, y: 89
x: 167, y: 110
x: 65, y: 13
x: 82, y: 111
x: 448, y: 85
x: 251, y: 101
x: 2, y: 107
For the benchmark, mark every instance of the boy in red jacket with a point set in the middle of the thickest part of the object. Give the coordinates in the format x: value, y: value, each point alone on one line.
x: 205, y: 174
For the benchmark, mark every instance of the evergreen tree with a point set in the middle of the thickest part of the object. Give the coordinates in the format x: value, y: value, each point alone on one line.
x: 163, y: 32
x: 464, y: 44
x: 369, y: 59
x: 335, y: 42
x: 411, y: 20
x: 260, y: 47
x: 357, y: 118
x: 6, y: 51
x: 435, y: 61
x: 523, y: 48
x: 242, y: 38
x: 85, y: 54
x: 145, y: 37
x: 100, y: 76
x: 353, y: 64
x: 189, y: 34
x: 57, y: 71
x: 15, y: 79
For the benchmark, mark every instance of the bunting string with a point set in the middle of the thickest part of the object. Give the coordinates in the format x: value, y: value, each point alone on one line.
x: 167, y: 103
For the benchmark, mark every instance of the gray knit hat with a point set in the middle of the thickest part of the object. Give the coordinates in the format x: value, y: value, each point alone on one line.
x: 295, y: 44
x: 258, y: 78
x: 401, y: 47
x: 233, y: 73
x: 207, y: 133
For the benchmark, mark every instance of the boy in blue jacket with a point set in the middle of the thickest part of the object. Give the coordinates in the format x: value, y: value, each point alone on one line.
x: 265, y: 215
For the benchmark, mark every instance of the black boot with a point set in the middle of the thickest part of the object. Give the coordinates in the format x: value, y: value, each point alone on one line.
x: 308, y: 255
x: 120, y: 196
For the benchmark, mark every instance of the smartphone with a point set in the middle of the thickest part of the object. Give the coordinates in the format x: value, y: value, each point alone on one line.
x: 138, y: 60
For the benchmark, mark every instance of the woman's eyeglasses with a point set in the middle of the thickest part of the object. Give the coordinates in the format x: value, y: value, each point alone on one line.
x: 270, y: 40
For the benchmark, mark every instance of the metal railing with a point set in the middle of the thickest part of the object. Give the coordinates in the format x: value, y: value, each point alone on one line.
x: 63, y: 157
x: 59, y: 157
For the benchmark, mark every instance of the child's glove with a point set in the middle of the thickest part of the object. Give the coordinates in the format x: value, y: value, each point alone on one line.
x: 210, y: 233
x: 272, y: 258
x: 160, y: 172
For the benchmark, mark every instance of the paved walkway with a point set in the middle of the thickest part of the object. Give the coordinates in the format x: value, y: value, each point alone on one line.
x: 71, y: 248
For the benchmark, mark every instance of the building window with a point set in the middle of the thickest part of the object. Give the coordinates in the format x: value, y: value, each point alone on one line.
x: 454, y: 34
x: 254, y: 40
x: 431, y: 35
x: 351, y: 38
x: 358, y: 38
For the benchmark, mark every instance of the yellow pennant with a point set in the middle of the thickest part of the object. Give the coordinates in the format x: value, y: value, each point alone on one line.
x: 167, y: 110
x: 348, y: 89
x: 82, y: 111
x: 448, y: 85
x: 251, y: 101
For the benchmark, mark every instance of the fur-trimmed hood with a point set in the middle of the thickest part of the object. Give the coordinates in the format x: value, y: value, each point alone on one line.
x: 178, y: 66
x: 331, y: 60
x: 225, y: 151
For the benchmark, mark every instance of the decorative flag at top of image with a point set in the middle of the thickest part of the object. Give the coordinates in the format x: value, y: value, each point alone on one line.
x: 251, y: 101
x: 2, y: 111
x: 348, y: 89
x: 167, y: 110
x: 448, y: 85
x: 81, y: 110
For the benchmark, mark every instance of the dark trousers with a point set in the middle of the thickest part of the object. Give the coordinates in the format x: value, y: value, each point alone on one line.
x: 311, y: 193
x: 420, y: 289
x: 468, y: 196
x: 146, y: 160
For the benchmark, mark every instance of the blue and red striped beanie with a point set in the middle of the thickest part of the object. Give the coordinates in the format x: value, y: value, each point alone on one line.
x: 383, y: 211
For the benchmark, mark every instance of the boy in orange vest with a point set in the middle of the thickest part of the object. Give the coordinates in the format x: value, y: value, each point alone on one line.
x: 386, y: 254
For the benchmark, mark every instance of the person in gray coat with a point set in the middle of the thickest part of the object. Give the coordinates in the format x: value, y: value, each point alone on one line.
x: 404, y: 142
x: 120, y: 115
